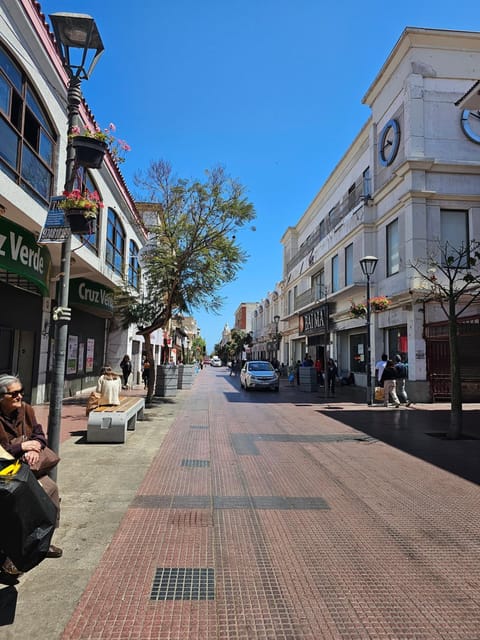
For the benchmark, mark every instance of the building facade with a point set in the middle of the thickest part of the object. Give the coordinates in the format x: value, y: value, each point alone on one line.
x: 408, y: 183
x: 33, y: 142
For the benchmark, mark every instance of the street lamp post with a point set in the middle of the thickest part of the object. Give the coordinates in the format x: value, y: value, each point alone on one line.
x: 368, y: 264
x: 276, y: 320
x: 78, y: 39
x: 325, y: 338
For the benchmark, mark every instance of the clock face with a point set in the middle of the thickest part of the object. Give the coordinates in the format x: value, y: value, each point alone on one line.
x: 389, y: 142
x: 470, y: 123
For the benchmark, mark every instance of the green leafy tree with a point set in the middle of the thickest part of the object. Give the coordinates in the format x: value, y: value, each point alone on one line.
x: 451, y: 278
x: 192, y: 250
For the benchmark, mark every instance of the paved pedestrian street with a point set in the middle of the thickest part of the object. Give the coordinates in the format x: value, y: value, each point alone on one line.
x: 283, y: 516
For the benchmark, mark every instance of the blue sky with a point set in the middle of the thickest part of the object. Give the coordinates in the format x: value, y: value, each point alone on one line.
x: 270, y: 89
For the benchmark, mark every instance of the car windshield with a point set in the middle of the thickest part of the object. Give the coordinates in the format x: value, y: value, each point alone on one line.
x: 260, y: 366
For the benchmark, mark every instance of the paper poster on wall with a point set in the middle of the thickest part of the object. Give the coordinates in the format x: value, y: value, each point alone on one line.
x: 81, y: 352
x: 90, y: 354
x: 72, y: 354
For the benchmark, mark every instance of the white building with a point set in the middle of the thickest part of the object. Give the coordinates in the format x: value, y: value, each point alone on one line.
x: 409, y: 180
x: 33, y: 141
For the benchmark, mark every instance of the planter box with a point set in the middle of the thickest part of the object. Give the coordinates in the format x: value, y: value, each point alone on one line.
x: 186, y: 373
x: 166, y: 382
x: 308, y: 379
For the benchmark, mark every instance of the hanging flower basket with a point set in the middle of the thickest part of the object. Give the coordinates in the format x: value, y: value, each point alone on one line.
x: 89, y: 152
x: 358, y: 310
x: 81, y: 220
x: 81, y: 209
x: 92, y: 143
x: 381, y: 303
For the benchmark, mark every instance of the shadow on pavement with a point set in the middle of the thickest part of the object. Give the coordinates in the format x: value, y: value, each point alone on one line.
x: 409, y: 431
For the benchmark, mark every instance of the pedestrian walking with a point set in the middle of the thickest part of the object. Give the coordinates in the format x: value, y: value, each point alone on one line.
x: 146, y: 370
x: 389, y: 379
x: 401, y: 370
x: 126, y: 367
x: 298, y: 364
x: 379, y: 368
x: 332, y: 373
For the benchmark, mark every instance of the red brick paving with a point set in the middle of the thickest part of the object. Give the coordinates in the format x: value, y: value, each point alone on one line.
x: 394, y: 557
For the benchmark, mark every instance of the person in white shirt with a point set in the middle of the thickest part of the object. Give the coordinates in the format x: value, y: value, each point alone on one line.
x: 109, y: 385
x: 379, y: 368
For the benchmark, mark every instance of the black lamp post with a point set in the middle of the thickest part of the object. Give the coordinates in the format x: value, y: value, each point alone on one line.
x: 368, y: 264
x: 78, y: 39
x: 325, y: 337
x: 276, y: 320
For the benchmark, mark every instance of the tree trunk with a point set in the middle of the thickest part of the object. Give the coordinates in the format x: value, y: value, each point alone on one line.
x: 456, y: 415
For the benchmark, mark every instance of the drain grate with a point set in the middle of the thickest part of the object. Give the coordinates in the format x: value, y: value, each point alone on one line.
x: 196, y: 464
x: 199, y: 426
x: 183, y: 584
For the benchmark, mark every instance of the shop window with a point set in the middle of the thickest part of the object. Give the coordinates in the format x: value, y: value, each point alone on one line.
x: 398, y: 342
x: 133, y: 266
x: 358, y: 352
x: 335, y: 274
x: 83, y: 180
x: 27, y: 140
x: 115, y: 243
x: 454, y: 235
x: 349, y: 265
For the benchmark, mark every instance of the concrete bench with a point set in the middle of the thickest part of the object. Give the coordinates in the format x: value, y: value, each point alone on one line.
x: 111, y: 423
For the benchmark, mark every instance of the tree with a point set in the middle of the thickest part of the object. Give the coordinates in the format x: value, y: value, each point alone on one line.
x: 192, y: 250
x: 452, y: 279
x: 234, y: 348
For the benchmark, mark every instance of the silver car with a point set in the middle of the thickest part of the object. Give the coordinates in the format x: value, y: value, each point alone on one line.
x: 259, y: 374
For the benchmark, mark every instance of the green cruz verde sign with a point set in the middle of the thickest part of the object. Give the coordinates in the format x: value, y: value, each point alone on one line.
x: 91, y: 294
x: 20, y: 254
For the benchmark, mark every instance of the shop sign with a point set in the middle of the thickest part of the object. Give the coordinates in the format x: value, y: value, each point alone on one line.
x: 55, y: 229
x: 314, y: 321
x: 20, y: 254
x: 91, y: 294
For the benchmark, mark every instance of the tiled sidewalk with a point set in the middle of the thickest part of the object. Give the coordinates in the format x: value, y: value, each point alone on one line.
x: 267, y: 516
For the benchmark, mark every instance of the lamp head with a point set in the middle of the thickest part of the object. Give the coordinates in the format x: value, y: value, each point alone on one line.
x: 276, y: 319
x: 77, y: 36
x: 368, y: 264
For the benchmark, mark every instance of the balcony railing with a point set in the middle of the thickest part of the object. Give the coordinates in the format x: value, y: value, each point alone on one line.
x: 342, y: 209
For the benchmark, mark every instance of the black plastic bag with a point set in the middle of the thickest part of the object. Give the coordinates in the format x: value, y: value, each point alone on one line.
x: 28, y: 517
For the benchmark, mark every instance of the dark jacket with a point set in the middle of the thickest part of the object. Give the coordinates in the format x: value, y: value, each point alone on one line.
x: 389, y: 373
x: 21, y: 422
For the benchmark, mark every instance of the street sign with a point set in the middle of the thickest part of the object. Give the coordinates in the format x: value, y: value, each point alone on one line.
x: 56, y: 227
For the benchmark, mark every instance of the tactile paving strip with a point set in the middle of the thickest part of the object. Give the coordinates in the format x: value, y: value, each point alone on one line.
x: 281, y: 503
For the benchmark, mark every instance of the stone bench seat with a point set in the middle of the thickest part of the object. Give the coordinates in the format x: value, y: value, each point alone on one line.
x: 110, y: 423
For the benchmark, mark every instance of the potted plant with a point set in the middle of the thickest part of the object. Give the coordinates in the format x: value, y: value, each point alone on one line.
x: 81, y: 208
x: 380, y: 303
x: 358, y: 310
x: 91, y: 145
